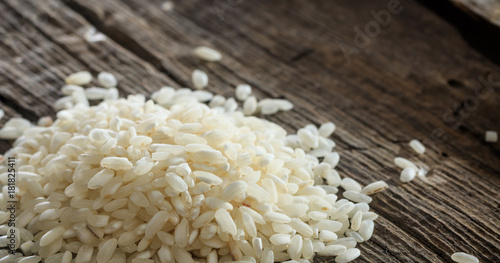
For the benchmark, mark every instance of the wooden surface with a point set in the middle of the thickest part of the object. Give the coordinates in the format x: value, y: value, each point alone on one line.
x: 416, y: 78
x: 488, y: 9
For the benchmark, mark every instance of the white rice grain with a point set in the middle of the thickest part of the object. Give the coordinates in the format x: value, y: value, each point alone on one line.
x: 374, y: 188
x: 199, y: 79
x: 143, y: 166
x: 216, y: 203
x: 357, y: 197
x: 107, y: 79
x: 181, y: 233
x: 332, y: 159
x: 30, y: 259
x: 280, y: 239
x: 165, y: 254
x: 208, y: 54
x: 348, y: 256
x: 69, y: 89
x: 250, y: 105
x: 207, y: 177
x: 347, y: 242
x: 176, y: 182
x: 94, y: 93
x: 84, y: 254
x: 51, y: 236
x: 100, y: 179
x: 257, y: 246
x: 243, y: 91
x: 295, y: 247
x: 277, y: 217
x: 307, y: 249
x: 332, y: 250
x: 326, y: 129
x: 234, y: 190
x: 267, y: 256
x: 327, y: 236
x: 462, y: 257
x: 106, y: 250
x: 404, y: 163
x: 351, y: 185
x: 356, y: 220
x: 417, y: 146
x: 79, y: 78
x: 98, y: 220
x: 408, y: 174
x: 491, y: 136
x: 366, y: 229
x: 181, y: 255
x: 225, y: 221
x: 156, y: 224
x: 116, y: 163
x: 331, y: 225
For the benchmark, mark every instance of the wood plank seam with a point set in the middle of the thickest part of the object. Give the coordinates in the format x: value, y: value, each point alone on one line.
x: 124, y: 40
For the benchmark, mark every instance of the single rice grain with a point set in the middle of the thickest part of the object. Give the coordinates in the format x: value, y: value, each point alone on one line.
x: 462, y: 257
x: 348, y: 256
x: 374, y: 188
x: 79, y: 78
x: 208, y: 54
x: 417, y: 146
x: 491, y: 136
x: 408, y: 174
x: 107, y: 79
x: 199, y: 79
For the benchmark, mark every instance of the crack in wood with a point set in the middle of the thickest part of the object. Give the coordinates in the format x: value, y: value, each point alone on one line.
x: 302, y: 55
x: 123, y: 40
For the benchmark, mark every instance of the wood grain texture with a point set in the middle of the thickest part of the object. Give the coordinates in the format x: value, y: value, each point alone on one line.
x: 415, y: 78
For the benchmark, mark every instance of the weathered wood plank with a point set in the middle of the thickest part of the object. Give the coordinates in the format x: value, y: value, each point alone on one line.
x: 476, y: 20
x: 396, y: 88
x: 488, y: 9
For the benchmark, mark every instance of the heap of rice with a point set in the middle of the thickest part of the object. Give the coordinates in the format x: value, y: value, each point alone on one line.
x: 188, y: 178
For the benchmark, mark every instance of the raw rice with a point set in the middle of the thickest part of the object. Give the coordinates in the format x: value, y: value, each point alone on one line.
x: 404, y: 163
x: 462, y: 257
x: 326, y: 129
x: 92, y: 35
x: 14, y: 128
x: 139, y: 181
x: 79, y: 78
x: 243, y: 91
x: 208, y: 54
x: 332, y: 158
x: 332, y: 250
x: 280, y: 239
x: 107, y: 79
x: 95, y: 93
x: 417, y: 146
x: 351, y: 185
x: 348, y: 256
x: 374, y: 188
x: 199, y: 79
x: 491, y: 136
x: 357, y: 197
x: 366, y: 229
x: 408, y: 174
x: 116, y: 163
x: 250, y: 105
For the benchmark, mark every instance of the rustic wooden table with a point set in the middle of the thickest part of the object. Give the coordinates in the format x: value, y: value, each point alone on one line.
x: 383, y: 82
